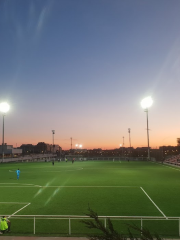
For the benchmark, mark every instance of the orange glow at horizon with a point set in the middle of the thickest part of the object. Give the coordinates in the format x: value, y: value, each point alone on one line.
x: 94, y: 145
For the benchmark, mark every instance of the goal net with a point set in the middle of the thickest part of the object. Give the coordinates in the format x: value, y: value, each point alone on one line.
x: 74, y: 157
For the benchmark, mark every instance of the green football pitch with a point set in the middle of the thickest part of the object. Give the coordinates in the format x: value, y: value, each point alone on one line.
x: 109, y: 188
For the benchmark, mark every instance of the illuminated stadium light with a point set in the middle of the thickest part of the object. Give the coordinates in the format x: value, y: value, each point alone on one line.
x: 78, y: 146
x: 4, y: 107
x: 146, y: 102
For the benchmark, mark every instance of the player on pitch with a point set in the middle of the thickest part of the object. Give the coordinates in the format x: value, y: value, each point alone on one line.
x: 18, y: 173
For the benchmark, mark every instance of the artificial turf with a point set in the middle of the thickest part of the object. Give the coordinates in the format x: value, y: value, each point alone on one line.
x: 117, y: 188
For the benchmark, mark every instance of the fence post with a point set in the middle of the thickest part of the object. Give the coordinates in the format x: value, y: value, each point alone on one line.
x: 141, y: 225
x: 34, y: 226
x: 69, y: 226
x: 105, y: 222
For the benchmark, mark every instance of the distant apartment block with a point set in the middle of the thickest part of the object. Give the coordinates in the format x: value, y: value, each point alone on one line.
x: 9, y: 150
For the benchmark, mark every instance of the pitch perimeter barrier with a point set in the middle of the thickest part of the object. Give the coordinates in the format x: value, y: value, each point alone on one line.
x: 31, y: 158
x: 70, y: 218
x: 113, y: 159
x: 51, y: 157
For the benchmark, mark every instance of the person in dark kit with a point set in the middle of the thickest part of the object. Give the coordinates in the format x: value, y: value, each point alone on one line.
x: 53, y: 162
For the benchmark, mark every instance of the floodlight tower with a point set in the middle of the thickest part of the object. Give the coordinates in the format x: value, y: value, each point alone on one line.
x: 71, y: 143
x: 145, y: 104
x: 129, y: 131
x: 123, y: 146
x: 4, y: 108
x: 53, y: 132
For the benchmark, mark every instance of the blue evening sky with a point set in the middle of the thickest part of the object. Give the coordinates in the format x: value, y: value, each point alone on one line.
x: 81, y: 67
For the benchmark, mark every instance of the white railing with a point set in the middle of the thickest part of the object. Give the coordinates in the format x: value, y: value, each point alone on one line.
x: 76, y: 217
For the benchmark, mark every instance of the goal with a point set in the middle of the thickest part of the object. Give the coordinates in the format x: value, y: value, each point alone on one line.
x: 74, y: 157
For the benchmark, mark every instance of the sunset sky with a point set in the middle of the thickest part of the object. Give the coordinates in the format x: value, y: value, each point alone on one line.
x: 82, y: 67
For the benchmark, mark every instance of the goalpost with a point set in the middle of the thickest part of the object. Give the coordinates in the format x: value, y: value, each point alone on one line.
x: 74, y: 157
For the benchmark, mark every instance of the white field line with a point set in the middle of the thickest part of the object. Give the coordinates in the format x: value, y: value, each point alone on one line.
x: 19, y: 186
x: 172, y: 168
x: 9, y: 183
x: 24, y: 186
x: 166, y: 165
x: 14, y: 203
x: 91, y: 186
x: 153, y: 203
x: 64, y: 170
x: 19, y: 210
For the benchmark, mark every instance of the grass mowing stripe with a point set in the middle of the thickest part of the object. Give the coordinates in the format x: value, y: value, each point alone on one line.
x: 153, y: 203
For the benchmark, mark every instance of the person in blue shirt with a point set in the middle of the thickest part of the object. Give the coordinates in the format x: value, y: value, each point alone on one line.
x: 18, y: 173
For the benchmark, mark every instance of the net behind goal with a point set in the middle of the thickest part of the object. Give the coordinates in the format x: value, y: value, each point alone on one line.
x: 74, y: 157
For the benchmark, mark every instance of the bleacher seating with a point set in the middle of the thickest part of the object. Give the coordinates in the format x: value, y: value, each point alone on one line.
x: 31, y: 158
x: 174, y: 160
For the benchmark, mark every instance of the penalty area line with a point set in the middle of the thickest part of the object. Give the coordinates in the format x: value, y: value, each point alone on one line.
x: 153, y: 203
x: 19, y: 210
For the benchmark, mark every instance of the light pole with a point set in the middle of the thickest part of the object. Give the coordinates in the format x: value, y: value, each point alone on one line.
x: 145, y: 104
x: 4, y: 108
x: 71, y: 143
x: 129, y: 131
x: 53, y: 132
x: 123, y: 147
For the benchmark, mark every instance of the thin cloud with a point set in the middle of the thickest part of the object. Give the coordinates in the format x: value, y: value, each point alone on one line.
x: 43, y: 17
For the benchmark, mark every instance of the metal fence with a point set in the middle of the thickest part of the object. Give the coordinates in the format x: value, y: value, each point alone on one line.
x: 51, y: 157
x: 70, y: 218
